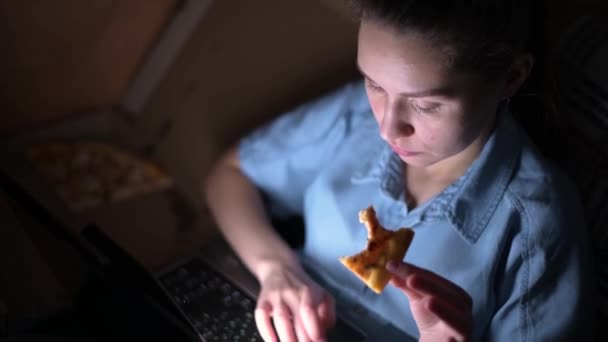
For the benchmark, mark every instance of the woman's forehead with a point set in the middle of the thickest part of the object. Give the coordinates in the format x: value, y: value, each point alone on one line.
x: 400, y: 59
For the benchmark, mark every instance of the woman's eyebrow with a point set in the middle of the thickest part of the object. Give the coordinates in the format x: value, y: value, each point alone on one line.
x: 441, y: 91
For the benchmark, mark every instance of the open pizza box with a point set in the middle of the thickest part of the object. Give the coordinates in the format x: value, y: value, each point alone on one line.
x: 156, y: 224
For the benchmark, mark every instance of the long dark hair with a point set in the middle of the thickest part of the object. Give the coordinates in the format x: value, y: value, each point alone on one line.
x: 484, y: 37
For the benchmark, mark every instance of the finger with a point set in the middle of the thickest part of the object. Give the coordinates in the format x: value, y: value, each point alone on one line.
x: 308, y: 313
x: 263, y: 321
x: 436, y: 286
x: 425, y: 282
x: 283, y: 322
x: 458, y: 322
x: 402, y: 284
x: 327, y: 311
x: 432, y: 310
x: 300, y: 331
x: 454, y: 289
x: 398, y: 269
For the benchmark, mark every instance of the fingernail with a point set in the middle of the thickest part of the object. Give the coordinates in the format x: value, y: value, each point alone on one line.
x: 392, y: 265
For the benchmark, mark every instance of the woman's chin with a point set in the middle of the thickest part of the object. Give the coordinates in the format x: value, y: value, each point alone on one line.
x: 417, y: 160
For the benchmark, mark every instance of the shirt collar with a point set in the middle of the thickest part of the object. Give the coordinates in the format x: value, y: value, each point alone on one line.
x: 485, y: 183
x: 383, y: 166
x: 481, y: 187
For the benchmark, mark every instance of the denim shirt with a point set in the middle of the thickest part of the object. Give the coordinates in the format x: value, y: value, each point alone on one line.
x: 509, y: 231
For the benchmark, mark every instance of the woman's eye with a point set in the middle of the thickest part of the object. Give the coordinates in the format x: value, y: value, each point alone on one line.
x: 372, y: 87
x: 430, y: 108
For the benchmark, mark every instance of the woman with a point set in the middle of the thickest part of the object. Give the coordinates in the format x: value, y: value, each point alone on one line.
x: 427, y: 139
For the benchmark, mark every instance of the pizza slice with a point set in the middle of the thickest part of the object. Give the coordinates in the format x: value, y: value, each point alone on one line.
x: 88, y: 174
x: 383, y: 245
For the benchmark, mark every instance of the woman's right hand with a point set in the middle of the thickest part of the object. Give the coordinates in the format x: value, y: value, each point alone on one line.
x: 299, y: 308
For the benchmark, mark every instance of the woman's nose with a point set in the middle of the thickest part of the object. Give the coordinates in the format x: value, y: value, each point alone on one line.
x: 395, y: 124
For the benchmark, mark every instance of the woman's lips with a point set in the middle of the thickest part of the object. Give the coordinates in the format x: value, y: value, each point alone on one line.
x: 402, y: 152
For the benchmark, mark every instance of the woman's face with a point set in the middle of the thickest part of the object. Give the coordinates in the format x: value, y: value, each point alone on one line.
x: 426, y: 111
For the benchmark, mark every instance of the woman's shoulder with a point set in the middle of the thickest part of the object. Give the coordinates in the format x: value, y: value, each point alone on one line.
x: 542, y: 192
x: 536, y: 174
x: 315, y: 122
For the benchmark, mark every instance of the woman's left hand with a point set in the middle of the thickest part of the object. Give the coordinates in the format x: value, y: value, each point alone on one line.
x: 442, y: 309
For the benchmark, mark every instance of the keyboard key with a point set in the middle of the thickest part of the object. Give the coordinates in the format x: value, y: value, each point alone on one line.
x: 247, y: 304
x: 226, y: 288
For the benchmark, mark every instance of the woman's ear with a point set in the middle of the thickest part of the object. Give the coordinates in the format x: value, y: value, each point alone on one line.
x: 517, y: 75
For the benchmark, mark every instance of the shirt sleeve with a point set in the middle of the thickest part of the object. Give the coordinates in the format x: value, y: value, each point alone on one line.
x: 546, y: 292
x: 283, y: 157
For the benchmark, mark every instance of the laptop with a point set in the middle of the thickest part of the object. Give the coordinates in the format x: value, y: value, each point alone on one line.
x: 209, y: 296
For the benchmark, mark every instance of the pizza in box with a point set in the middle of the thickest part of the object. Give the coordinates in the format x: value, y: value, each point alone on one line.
x: 89, y: 174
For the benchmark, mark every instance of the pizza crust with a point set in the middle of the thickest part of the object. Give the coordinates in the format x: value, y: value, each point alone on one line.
x: 383, y: 245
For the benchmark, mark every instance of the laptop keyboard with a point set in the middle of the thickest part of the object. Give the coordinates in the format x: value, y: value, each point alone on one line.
x: 217, y: 309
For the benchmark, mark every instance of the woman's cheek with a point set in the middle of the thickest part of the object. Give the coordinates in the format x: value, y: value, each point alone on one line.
x: 377, y: 108
x: 428, y: 137
x: 438, y: 142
